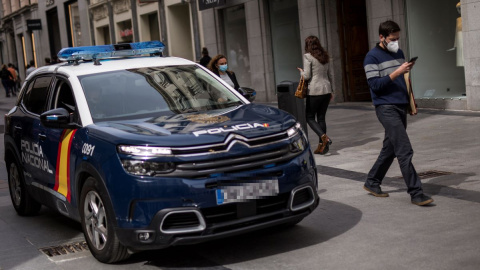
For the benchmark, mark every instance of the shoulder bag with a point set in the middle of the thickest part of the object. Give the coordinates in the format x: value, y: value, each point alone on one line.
x: 302, y: 88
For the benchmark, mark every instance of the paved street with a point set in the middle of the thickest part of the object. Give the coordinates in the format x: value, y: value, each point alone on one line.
x: 349, y: 230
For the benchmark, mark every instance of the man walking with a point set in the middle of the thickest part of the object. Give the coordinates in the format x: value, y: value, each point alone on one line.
x: 385, y: 67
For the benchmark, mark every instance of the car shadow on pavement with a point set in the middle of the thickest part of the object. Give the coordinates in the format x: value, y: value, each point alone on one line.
x: 329, y: 220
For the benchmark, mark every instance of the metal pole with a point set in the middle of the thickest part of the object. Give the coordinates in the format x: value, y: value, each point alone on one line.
x: 163, y: 26
x: 196, y: 30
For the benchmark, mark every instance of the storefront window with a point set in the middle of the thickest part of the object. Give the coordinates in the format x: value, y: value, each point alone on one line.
x: 236, y: 43
x: 125, y: 31
x: 286, y: 44
x: 433, y: 36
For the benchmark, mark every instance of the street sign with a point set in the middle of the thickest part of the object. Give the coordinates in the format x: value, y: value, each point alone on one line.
x: 206, y: 4
x: 35, y: 24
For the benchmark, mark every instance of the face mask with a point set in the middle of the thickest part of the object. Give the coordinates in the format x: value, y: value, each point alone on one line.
x: 223, y: 68
x: 392, y: 46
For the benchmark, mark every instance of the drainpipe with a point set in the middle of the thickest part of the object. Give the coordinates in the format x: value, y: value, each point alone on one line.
x: 163, y: 25
x: 196, y: 30
x: 111, y: 22
x: 134, y: 21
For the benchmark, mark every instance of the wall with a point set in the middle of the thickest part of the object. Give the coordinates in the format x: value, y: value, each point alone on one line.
x: 471, y: 51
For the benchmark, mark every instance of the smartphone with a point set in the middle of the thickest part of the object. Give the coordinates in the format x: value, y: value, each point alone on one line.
x: 413, y: 59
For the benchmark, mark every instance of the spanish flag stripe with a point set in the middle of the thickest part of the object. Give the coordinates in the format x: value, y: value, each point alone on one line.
x: 58, y: 161
x: 69, y: 196
x: 63, y: 162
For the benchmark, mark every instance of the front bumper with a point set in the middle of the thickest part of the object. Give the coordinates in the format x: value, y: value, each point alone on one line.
x: 191, y: 225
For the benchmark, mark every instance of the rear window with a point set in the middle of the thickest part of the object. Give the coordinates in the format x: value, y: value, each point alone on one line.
x: 136, y: 93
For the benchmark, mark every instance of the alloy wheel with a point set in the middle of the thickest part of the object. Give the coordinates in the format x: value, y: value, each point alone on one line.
x: 95, y: 220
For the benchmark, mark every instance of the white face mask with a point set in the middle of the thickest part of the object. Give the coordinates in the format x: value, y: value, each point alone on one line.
x: 393, y: 46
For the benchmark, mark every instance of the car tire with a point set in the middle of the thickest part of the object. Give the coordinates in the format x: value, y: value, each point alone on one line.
x: 97, y: 219
x: 22, y: 201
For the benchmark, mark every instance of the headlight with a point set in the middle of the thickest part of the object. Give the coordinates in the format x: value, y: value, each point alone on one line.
x: 295, y: 129
x: 298, y: 145
x: 147, y: 168
x: 144, y: 151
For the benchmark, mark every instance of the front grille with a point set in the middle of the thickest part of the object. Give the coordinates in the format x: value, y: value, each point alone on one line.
x: 229, y: 142
x: 255, y: 161
x: 230, y: 212
x: 180, y: 221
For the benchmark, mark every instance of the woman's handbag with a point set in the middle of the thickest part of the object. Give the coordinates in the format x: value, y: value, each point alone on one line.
x: 302, y: 88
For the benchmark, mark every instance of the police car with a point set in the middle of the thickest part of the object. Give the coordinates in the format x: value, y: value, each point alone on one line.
x: 149, y: 151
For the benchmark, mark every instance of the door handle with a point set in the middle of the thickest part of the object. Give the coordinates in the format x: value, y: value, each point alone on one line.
x: 42, y: 137
x: 18, y: 127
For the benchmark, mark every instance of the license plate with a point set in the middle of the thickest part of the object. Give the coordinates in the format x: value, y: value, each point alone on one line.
x: 242, y: 192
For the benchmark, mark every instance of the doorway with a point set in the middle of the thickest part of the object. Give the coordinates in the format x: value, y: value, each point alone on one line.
x: 180, y: 31
x: 53, y: 32
x: 353, y: 32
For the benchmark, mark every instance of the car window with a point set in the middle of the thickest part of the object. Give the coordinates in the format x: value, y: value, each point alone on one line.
x: 166, y: 90
x: 63, y: 98
x: 35, y: 98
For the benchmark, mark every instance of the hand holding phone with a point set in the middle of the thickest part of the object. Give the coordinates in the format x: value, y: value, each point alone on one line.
x: 413, y: 59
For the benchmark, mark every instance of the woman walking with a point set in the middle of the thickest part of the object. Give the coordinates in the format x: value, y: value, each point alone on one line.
x: 219, y: 66
x: 317, y: 71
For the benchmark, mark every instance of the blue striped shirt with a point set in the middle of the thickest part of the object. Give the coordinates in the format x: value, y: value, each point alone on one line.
x: 378, y: 65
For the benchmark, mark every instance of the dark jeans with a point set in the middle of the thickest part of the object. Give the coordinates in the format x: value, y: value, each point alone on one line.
x: 7, y: 85
x: 315, y: 113
x: 395, y: 144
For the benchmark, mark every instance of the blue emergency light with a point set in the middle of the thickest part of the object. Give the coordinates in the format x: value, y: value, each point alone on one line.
x: 74, y: 54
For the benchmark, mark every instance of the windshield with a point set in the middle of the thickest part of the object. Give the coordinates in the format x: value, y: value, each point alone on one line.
x: 154, y: 91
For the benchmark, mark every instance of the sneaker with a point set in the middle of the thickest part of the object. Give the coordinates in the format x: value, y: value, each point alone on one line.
x: 375, y: 191
x: 422, y: 199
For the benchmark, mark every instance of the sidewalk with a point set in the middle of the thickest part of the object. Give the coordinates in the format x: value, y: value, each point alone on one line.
x: 446, y: 144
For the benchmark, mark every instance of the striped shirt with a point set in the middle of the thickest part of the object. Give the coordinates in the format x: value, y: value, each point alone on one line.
x: 378, y: 65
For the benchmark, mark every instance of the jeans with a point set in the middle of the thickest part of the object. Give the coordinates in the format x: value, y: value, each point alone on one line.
x: 6, y: 85
x: 316, y: 109
x: 395, y: 144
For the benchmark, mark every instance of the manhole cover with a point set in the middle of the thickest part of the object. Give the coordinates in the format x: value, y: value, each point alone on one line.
x: 65, y: 249
x: 430, y: 174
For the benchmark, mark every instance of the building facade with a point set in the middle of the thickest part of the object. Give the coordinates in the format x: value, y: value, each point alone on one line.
x: 263, y: 40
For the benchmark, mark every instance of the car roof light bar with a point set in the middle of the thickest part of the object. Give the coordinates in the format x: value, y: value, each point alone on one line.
x: 87, y: 53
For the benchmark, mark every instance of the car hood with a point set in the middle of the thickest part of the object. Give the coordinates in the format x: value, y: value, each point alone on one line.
x: 250, y: 120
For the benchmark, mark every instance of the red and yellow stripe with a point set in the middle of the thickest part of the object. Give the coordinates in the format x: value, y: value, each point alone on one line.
x: 62, y: 174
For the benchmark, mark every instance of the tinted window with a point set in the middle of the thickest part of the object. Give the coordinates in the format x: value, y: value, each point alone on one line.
x: 151, y: 91
x: 35, y: 98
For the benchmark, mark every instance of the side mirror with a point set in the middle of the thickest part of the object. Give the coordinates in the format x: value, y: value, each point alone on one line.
x: 57, y: 118
x: 248, y: 93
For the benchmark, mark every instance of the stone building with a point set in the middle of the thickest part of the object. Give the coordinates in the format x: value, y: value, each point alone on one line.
x: 264, y: 39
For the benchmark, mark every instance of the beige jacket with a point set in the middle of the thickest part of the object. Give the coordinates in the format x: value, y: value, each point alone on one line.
x: 318, y: 76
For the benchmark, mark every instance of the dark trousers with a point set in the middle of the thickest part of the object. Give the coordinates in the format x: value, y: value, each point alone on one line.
x: 315, y: 113
x: 6, y: 84
x: 395, y: 144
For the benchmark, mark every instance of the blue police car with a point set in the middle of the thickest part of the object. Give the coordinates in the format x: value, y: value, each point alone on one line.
x: 149, y: 151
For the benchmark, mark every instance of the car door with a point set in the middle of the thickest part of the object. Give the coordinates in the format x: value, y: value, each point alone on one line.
x: 57, y: 142
x: 29, y: 132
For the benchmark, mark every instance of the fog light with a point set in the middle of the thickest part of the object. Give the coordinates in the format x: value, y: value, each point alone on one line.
x: 143, y: 236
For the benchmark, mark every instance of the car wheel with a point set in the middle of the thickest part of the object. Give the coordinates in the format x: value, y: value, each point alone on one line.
x: 23, y: 202
x: 97, y: 223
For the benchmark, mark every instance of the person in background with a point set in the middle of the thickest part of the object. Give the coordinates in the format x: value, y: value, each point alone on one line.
x: 14, y: 83
x: 385, y: 67
x: 30, y: 68
x: 317, y: 71
x: 219, y: 66
x: 7, y: 80
x: 205, y: 57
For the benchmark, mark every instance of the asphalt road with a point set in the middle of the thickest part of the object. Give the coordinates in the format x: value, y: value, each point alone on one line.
x: 349, y: 230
